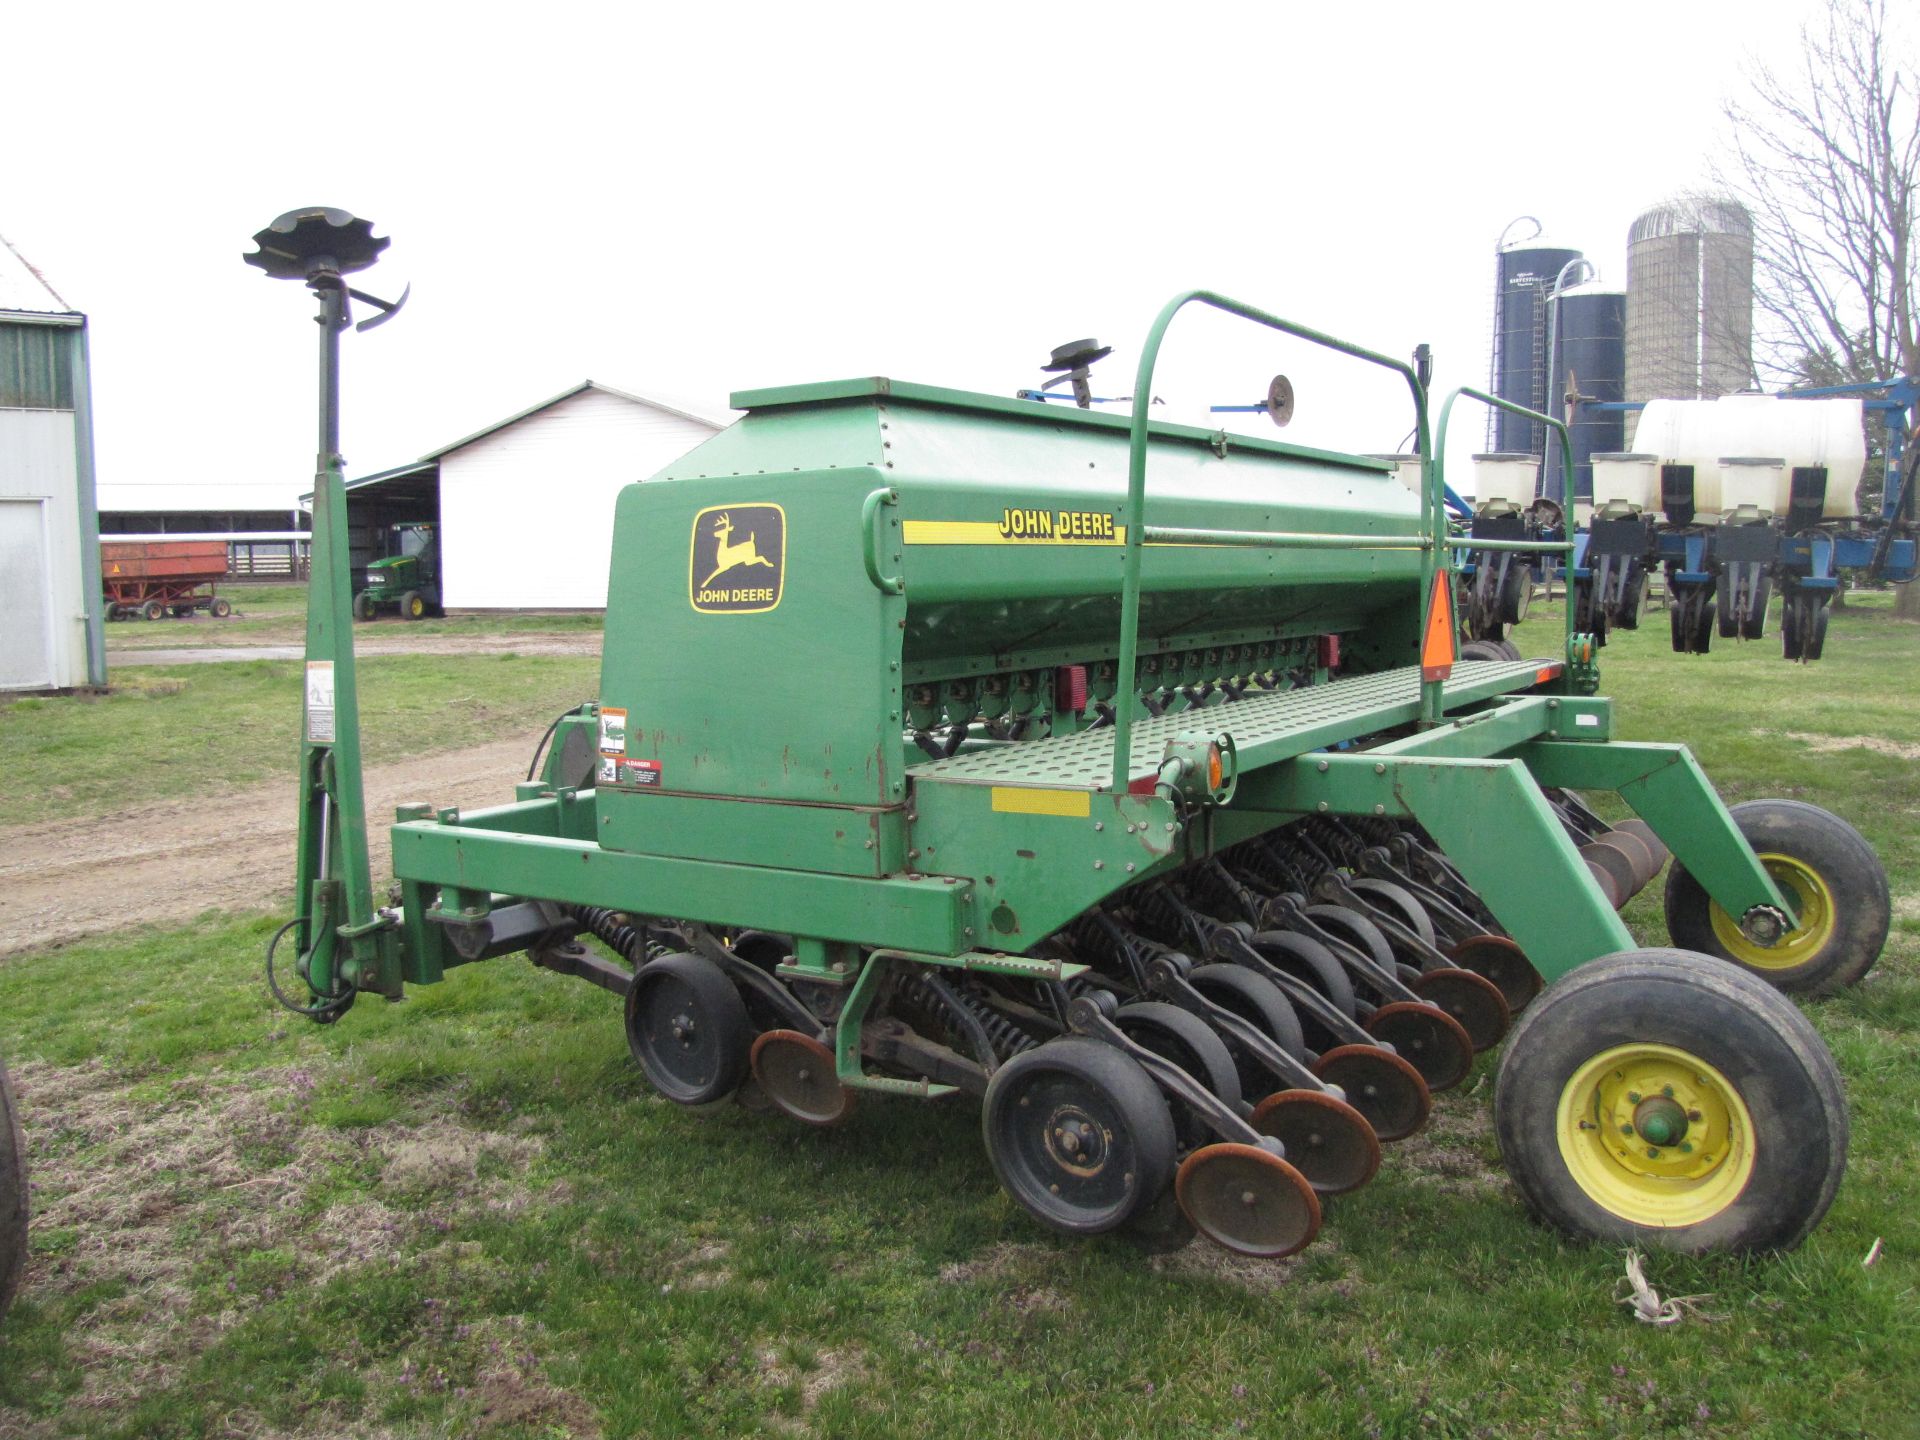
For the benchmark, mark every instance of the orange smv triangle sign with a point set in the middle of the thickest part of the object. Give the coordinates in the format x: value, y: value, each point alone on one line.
x: 1437, y: 651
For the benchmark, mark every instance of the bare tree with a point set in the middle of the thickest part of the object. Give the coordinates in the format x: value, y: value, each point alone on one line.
x: 1826, y: 155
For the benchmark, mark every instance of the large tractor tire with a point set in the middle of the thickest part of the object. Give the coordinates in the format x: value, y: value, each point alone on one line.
x: 413, y: 606
x: 363, y: 606
x: 1655, y: 1098
x: 13, y: 1195
x: 1830, y: 873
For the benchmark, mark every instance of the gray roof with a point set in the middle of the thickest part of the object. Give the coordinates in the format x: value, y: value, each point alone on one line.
x: 24, y: 288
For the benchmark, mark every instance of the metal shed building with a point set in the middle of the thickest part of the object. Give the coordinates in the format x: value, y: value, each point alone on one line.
x: 50, y: 609
x: 525, y: 506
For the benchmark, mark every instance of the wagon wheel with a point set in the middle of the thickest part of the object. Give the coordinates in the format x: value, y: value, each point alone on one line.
x: 1647, y: 1098
x: 13, y: 1194
x: 1078, y: 1134
x: 221, y: 607
x: 152, y: 610
x: 1832, y: 876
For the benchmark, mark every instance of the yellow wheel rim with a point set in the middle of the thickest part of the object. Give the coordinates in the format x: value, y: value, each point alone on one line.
x: 1797, y: 947
x: 1655, y: 1135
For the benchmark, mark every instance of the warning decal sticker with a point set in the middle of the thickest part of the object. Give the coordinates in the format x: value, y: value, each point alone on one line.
x: 737, y: 560
x: 641, y: 772
x: 613, y: 731
x: 320, y: 700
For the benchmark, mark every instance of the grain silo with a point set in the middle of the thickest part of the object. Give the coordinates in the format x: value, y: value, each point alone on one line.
x: 1525, y: 273
x: 1690, y: 301
x: 1589, y: 329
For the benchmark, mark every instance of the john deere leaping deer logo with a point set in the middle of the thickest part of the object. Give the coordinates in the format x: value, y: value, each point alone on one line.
x: 738, y: 559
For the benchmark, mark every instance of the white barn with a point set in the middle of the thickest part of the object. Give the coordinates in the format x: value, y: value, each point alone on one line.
x: 51, y: 633
x: 525, y: 506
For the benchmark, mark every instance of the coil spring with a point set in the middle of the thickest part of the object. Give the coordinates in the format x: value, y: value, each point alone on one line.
x: 613, y: 930
x: 1004, y: 1036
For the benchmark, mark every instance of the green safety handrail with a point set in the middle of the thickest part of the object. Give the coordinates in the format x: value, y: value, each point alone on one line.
x: 1532, y: 547
x: 1433, y: 523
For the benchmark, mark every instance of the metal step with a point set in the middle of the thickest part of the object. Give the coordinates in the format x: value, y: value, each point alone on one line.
x: 1266, y: 728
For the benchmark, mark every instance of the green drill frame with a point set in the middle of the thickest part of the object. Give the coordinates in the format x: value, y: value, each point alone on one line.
x: 888, y: 857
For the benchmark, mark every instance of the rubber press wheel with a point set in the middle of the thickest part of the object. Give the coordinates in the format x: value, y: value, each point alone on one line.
x: 1647, y: 1098
x: 1830, y: 873
x: 1189, y: 1043
x: 1262, y: 1004
x: 1079, y: 1135
x: 688, y: 1028
x: 13, y: 1194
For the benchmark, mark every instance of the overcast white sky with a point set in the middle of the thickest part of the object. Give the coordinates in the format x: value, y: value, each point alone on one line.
x: 695, y: 199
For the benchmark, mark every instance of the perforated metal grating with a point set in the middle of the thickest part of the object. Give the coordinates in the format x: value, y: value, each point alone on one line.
x: 1265, y: 728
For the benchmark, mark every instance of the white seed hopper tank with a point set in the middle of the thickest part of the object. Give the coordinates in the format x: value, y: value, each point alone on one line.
x: 1801, y: 434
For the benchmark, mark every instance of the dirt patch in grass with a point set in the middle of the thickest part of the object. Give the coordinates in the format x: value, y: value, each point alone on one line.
x: 1451, y: 1153
x: 1827, y: 744
x: 168, y: 1213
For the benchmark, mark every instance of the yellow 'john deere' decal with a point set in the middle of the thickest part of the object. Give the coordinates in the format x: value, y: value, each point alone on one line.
x: 738, y: 559
x: 1020, y: 527
x: 1023, y: 800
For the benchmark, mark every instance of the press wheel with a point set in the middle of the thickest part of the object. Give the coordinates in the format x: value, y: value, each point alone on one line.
x: 1504, y: 963
x: 1191, y: 1044
x: 1381, y: 1085
x: 1248, y: 1200
x: 798, y: 1075
x: 1079, y: 1135
x: 1307, y: 958
x: 1400, y: 903
x: 1327, y: 1140
x: 1473, y: 1000
x: 1428, y: 1039
x: 688, y: 1028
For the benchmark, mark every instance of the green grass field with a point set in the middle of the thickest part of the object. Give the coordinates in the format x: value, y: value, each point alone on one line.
x: 466, y: 1214
x: 170, y: 732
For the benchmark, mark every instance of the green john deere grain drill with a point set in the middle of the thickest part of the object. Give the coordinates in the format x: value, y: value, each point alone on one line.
x: 1125, y: 779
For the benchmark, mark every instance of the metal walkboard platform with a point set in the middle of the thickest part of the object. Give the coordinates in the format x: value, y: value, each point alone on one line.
x: 1266, y: 727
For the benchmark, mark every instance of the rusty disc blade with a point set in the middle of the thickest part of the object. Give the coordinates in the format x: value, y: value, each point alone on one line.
x: 1249, y: 1201
x: 1428, y: 1039
x: 1473, y: 1000
x: 1638, y: 856
x: 796, y: 1072
x: 1504, y: 963
x: 1381, y: 1086
x: 1640, y: 830
x: 1327, y: 1140
x: 1612, y: 869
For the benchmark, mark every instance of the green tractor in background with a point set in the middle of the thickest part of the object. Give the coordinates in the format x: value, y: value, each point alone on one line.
x: 408, y: 578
